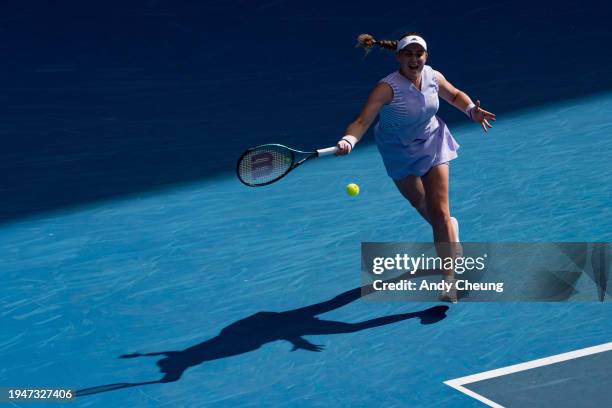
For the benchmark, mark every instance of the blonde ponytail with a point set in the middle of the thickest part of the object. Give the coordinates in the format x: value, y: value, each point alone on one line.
x: 367, y: 41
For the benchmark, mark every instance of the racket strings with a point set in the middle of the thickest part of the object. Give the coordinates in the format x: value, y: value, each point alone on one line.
x: 264, y: 164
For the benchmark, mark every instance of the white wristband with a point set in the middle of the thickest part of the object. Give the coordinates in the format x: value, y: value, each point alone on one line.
x: 351, y: 139
x: 468, y: 110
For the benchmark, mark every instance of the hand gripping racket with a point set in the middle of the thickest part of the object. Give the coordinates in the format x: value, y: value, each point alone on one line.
x: 265, y: 164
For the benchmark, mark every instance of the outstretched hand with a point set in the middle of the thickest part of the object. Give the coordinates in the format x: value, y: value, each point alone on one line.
x: 309, y: 347
x: 482, y: 116
x: 300, y: 343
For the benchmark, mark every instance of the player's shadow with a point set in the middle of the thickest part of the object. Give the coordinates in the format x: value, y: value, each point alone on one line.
x: 260, y: 328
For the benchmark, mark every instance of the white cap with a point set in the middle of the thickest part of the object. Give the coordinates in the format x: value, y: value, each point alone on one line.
x: 411, y: 39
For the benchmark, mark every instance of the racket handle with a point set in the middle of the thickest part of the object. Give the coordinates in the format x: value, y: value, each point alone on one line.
x: 327, y: 151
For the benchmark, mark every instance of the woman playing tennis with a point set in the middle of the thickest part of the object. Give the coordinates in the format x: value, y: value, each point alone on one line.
x: 414, y: 143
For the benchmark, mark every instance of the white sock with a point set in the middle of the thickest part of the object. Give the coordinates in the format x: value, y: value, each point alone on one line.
x: 456, y: 226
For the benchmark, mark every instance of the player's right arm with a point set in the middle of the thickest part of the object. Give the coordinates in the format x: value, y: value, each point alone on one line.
x: 381, y: 95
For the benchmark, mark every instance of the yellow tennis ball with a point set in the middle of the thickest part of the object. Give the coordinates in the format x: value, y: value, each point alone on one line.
x: 352, y: 189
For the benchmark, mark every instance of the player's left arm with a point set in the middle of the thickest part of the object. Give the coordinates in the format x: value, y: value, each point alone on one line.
x: 463, y: 102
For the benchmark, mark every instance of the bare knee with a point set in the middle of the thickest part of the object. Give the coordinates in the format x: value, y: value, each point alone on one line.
x: 418, y: 202
x: 412, y: 189
x: 439, y: 215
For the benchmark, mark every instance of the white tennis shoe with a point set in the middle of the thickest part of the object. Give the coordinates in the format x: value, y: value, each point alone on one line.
x: 451, y: 294
x: 456, y: 228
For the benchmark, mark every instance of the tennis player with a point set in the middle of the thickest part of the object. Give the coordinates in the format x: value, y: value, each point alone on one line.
x: 415, y: 144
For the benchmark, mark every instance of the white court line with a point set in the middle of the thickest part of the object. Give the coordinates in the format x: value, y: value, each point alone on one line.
x: 458, y: 383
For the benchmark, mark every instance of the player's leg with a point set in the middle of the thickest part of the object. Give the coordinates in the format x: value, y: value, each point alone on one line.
x: 436, y: 183
x: 412, y: 189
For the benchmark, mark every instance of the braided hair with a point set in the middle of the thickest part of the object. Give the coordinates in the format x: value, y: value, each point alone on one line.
x: 368, y: 42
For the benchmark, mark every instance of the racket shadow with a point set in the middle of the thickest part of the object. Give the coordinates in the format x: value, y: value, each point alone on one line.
x: 254, y: 331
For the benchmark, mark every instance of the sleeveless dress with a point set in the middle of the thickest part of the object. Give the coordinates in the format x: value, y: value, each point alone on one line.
x: 410, y: 137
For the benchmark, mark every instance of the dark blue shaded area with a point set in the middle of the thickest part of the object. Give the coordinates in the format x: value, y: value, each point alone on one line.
x: 103, y: 99
x: 555, y: 385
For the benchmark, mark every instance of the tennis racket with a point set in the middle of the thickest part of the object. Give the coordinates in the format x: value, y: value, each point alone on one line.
x: 265, y: 164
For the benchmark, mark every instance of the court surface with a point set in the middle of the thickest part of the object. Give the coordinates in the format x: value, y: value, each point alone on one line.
x: 136, y: 269
x: 230, y: 276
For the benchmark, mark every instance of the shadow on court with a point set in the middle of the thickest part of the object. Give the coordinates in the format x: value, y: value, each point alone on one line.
x: 252, y: 332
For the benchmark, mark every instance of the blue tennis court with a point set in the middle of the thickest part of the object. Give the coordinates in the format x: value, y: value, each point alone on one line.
x: 149, y: 276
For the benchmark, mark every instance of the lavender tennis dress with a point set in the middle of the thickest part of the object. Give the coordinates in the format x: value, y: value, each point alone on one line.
x: 410, y: 137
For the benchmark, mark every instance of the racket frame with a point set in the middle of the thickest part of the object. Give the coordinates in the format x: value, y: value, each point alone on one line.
x: 307, y: 156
